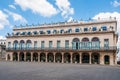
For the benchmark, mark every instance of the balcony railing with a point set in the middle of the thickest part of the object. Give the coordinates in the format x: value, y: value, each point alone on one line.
x: 61, y: 49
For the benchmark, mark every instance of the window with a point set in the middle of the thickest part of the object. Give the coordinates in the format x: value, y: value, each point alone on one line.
x: 35, y: 44
x: 23, y: 33
x: 58, y: 44
x: 50, y: 44
x: 42, y: 44
x: 9, y: 44
x: 54, y: 31
x: 35, y: 32
x: 41, y: 32
x: 85, y: 29
x: 106, y: 43
x: 61, y: 31
x: 48, y: 31
x: 94, y: 29
x: 29, y: 33
x: 77, y: 30
x: 17, y: 33
x: 69, y: 30
x: 66, y: 44
x: 104, y: 28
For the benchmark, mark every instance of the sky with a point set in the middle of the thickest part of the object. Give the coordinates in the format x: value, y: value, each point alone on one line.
x: 22, y: 12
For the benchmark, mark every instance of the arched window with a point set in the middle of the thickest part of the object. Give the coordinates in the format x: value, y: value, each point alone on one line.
x: 85, y: 44
x: 22, y: 44
x: 95, y: 43
x: 69, y: 30
x: 41, y: 32
x: 28, y: 44
x: 85, y: 29
x: 17, y: 33
x: 29, y: 33
x: 94, y: 29
x: 15, y: 44
x: 104, y: 28
x: 77, y: 30
x: 61, y: 31
x: 48, y: 31
x: 76, y: 43
x: 23, y: 33
x: 35, y: 32
x: 54, y: 31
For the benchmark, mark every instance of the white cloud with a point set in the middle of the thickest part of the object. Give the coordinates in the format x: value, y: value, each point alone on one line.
x: 16, y: 17
x: 1, y: 37
x: 115, y: 3
x: 12, y: 6
x: 42, y: 7
x: 64, y: 7
x: 3, y: 20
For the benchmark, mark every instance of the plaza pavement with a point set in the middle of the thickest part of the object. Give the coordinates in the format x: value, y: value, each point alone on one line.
x: 56, y: 71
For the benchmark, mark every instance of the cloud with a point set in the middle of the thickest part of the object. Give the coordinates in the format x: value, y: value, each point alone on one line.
x: 12, y: 6
x: 64, y: 7
x: 16, y: 17
x: 115, y: 3
x: 1, y: 37
x: 42, y: 7
x: 3, y: 20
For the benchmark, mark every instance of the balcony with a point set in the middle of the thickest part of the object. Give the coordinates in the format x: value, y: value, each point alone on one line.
x: 61, y: 49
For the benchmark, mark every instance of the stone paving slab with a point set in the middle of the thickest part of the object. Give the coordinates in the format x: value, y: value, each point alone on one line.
x: 57, y: 71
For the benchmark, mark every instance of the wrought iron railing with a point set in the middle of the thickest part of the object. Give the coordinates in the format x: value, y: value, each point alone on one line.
x: 63, y: 48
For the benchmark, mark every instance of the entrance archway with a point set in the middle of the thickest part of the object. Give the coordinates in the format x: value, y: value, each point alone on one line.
x: 67, y: 58
x: 106, y: 59
x: 76, y: 58
x: 50, y: 57
x: 28, y: 56
x: 95, y: 58
x: 85, y: 58
x: 15, y: 56
x: 35, y: 56
x: 21, y: 56
x: 58, y: 57
x: 42, y: 57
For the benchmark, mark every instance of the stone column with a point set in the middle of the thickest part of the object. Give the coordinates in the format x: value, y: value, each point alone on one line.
x: 18, y: 56
x: 90, y: 58
x: 62, y: 57
x: 38, y: 57
x: 46, y: 57
x: 11, y: 57
x: 54, y: 57
x: 80, y: 58
x: 71, y: 56
x: 102, y: 58
x: 25, y: 56
x: 31, y: 57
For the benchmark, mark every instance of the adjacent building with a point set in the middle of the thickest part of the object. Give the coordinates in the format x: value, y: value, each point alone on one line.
x: 91, y: 42
x: 2, y: 49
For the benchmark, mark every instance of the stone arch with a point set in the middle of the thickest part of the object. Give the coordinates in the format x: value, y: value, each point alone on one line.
x: 95, y: 58
x: 15, y: 56
x: 85, y: 57
x: 21, y: 56
x: 67, y: 57
x: 50, y: 57
x: 35, y: 56
x: 58, y: 57
x: 76, y: 57
x: 28, y: 56
x: 42, y: 57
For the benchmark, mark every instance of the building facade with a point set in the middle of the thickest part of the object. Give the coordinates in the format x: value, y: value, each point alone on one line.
x: 92, y: 42
x: 2, y: 49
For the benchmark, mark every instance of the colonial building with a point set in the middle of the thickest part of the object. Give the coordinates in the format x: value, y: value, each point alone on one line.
x: 2, y: 49
x: 91, y: 42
